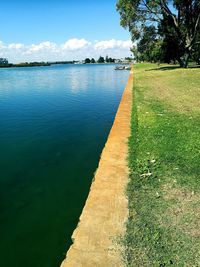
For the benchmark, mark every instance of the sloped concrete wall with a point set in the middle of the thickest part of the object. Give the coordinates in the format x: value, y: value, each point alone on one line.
x: 106, y: 209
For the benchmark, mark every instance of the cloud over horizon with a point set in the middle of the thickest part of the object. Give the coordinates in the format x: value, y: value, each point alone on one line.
x: 72, y: 49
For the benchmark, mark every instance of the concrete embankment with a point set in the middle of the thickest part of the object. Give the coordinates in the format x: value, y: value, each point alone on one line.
x: 106, y: 209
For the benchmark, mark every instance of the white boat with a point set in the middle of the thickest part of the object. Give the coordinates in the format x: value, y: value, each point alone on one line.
x: 119, y: 67
x: 123, y: 68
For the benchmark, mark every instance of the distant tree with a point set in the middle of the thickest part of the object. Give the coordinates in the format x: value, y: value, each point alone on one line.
x: 101, y: 60
x: 128, y: 58
x: 93, y: 61
x: 87, y: 60
x: 3, y: 61
x: 111, y: 60
x: 177, y: 18
x: 146, y: 43
x: 136, y: 53
x: 157, y: 53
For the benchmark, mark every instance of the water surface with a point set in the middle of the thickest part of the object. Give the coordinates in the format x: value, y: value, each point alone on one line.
x: 54, y: 122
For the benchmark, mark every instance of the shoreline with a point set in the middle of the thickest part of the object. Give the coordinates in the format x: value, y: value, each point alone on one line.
x: 49, y: 64
x: 106, y: 209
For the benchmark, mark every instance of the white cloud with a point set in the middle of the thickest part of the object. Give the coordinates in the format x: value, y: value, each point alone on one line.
x: 48, y: 46
x: 75, y: 44
x: 15, y: 46
x: 72, y: 49
x: 111, y: 44
x: 127, y: 44
x: 2, y: 46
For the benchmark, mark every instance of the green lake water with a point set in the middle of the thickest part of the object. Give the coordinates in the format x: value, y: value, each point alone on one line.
x: 54, y: 122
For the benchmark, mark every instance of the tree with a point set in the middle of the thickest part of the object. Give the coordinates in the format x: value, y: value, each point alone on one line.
x: 87, y: 60
x: 128, y: 58
x: 174, y: 19
x: 101, y: 60
x: 149, y: 47
x: 92, y: 60
x: 3, y: 61
x: 146, y: 43
x: 111, y: 60
x: 196, y: 50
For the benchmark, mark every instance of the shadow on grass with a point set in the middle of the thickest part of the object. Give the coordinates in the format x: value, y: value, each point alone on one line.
x: 173, y: 68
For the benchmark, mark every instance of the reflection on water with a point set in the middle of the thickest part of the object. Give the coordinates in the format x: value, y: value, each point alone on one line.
x: 78, y: 82
x: 54, y: 122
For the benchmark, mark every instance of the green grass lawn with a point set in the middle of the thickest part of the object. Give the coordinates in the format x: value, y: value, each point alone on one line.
x: 164, y: 156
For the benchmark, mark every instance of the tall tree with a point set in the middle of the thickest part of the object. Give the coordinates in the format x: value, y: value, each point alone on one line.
x: 196, y: 50
x: 147, y: 43
x: 177, y: 18
x: 101, y: 60
x: 87, y: 60
x: 92, y: 60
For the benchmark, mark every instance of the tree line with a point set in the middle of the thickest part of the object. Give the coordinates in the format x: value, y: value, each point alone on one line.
x: 100, y: 60
x: 163, y: 30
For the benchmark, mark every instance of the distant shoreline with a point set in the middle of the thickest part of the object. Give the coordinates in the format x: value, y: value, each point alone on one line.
x: 34, y: 64
x: 47, y: 64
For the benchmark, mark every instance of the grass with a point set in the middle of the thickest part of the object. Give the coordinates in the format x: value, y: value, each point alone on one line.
x: 163, y: 228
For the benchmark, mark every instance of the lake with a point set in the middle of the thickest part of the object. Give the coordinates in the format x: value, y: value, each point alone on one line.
x: 54, y: 122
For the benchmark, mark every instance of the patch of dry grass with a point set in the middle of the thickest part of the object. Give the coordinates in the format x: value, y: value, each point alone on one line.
x: 179, y: 89
x: 183, y: 210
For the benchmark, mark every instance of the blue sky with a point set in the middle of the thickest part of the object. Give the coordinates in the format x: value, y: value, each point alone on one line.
x: 50, y: 24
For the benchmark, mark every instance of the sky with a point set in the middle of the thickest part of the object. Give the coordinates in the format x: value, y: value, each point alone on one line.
x: 48, y: 30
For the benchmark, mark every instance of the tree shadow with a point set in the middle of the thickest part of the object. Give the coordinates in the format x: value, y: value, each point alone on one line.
x: 194, y: 67
x: 173, y: 68
x: 164, y: 68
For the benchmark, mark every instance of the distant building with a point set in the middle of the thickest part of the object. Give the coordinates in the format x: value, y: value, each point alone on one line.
x: 126, y: 61
x: 3, y: 61
x: 80, y: 62
x: 118, y: 60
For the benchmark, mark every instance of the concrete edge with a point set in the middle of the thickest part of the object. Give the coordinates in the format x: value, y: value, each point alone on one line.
x: 106, y: 209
